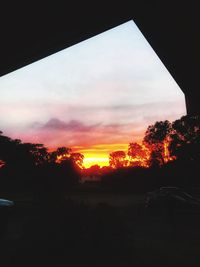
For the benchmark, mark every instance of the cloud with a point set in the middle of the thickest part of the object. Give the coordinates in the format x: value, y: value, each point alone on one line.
x: 90, y: 124
x: 56, y: 132
x: 72, y: 125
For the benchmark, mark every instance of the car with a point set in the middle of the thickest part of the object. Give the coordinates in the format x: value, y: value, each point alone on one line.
x: 166, y: 194
x: 6, y: 209
x: 6, y: 203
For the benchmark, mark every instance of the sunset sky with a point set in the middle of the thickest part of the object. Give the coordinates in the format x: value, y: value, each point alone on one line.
x: 95, y: 97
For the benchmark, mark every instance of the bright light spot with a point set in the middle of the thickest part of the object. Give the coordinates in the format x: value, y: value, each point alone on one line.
x: 90, y: 161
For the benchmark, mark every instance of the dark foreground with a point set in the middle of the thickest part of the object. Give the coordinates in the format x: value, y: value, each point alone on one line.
x: 102, y: 230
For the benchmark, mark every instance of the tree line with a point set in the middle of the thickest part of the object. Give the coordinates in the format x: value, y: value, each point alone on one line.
x: 163, y: 142
x: 171, y: 150
x: 31, y: 167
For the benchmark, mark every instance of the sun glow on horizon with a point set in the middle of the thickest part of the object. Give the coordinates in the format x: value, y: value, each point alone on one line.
x: 99, y: 154
x: 102, y: 158
x: 91, y: 161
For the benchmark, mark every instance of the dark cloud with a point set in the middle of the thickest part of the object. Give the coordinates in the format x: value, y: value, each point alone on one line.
x: 78, y: 126
x: 74, y: 132
x: 71, y: 133
x: 73, y: 125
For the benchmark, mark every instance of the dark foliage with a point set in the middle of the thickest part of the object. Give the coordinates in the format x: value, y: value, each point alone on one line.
x: 183, y: 138
x: 27, y: 167
x: 30, y: 168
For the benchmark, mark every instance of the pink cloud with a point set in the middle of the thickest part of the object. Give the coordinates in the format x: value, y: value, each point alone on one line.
x: 56, y: 132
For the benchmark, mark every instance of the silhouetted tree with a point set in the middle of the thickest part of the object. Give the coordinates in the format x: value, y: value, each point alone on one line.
x: 154, y: 138
x: 77, y: 159
x: 60, y: 154
x: 15, y: 153
x: 30, y: 167
x: 38, y: 152
x: 21, y: 161
x: 7, y: 148
x: 93, y: 171
x: 106, y: 169
x: 158, y: 132
x: 117, y: 159
x: 138, y: 155
x: 54, y: 179
x: 156, y: 154
x: 185, y: 138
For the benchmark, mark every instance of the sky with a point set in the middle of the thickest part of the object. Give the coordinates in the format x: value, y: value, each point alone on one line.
x: 95, y: 97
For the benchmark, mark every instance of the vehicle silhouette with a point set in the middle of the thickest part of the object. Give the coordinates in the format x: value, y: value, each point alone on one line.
x: 164, y: 194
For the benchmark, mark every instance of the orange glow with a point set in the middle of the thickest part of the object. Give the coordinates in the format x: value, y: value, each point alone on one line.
x: 142, y: 155
x: 167, y: 156
x: 60, y: 158
x: 142, y: 158
x: 90, y: 161
x: 99, y: 154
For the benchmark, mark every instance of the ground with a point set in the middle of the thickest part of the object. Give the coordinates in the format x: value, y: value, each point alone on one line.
x: 99, y: 229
